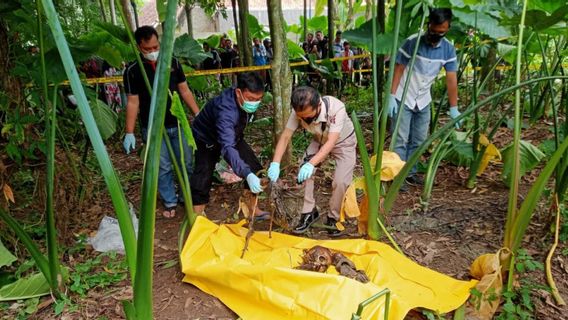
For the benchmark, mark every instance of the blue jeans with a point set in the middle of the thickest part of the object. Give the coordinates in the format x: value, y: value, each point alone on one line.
x: 412, y: 131
x: 166, y: 181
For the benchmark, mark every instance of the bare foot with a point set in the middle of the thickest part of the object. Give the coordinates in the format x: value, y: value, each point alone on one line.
x: 169, y: 213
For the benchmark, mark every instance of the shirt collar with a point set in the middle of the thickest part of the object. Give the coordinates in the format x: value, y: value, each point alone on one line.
x: 323, y: 114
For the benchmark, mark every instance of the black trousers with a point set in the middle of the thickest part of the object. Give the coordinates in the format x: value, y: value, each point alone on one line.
x: 206, y: 157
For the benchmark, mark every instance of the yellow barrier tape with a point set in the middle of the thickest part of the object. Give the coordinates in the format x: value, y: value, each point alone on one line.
x: 265, y: 285
x: 197, y: 73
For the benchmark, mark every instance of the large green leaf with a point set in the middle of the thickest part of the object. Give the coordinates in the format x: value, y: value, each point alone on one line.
x: 105, y: 118
x: 320, y: 5
x: 295, y: 29
x: 545, y: 5
x: 161, y: 9
x: 530, y: 156
x: 188, y: 48
x: 326, y: 68
x: 540, y: 20
x: 178, y: 111
x: 213, y: 40
x: 6, y: 257
x: 7, y: 6
x: 506, y: 51
x: 460, y: 153
x: 198, y: 83
x: 485, y: 23
x: 114, y: 30
x: 25, y: 288
x: 110, y: 55
x: 294, y: 50
x: 256, y: 30
x: 362, y: 37
x: 318, y: 23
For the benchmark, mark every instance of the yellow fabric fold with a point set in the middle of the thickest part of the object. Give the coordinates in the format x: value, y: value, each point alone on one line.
x: 265, y: 285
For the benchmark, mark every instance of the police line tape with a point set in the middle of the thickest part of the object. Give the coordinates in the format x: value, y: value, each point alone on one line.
x: 197, y: 73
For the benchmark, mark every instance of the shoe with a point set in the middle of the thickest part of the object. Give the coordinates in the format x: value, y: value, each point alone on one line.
x: 404, y: 187
x: 306, y: 220
x: 332, y: 232
x: 414, y: 180
x: 262, y: 216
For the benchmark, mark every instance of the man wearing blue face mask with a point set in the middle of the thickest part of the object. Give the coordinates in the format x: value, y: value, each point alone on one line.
x: 219, y: 131
x: 138, y: 102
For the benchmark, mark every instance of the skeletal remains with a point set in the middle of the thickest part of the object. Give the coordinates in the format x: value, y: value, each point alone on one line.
x: 319, y: 258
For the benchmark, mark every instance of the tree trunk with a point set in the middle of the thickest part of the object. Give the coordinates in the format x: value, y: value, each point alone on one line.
x: 236, y: 20
x: 9, y: 85
x: 103, y: 13
x: 187, y: 8
x: 281, y: 74
x: 330, y: 29
x: 245, y: 45
x: 112, y: 12
x: 486, y: 68
x: 306, y: 21
x: 368, y: 9
x: 350, y: 14
x: 125, y: 4
x: 135, y: 12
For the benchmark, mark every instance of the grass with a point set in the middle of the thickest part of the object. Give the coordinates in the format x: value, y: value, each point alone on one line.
x: 99, y: 272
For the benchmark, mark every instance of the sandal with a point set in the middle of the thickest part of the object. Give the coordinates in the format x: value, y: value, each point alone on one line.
x: 169, y: 212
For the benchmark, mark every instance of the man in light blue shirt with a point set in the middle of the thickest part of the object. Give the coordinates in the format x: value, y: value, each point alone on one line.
x: 434, y: 52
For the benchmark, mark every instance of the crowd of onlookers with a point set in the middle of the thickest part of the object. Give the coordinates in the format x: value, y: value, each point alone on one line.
x: 318, y: 46
x: 226, y: 55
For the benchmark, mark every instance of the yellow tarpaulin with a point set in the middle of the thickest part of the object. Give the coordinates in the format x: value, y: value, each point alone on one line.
x: 265, y: 285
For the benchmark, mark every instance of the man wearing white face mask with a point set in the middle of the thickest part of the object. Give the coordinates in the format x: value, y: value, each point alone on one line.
x: 138, y: 101
x: 333, y: 135
x: 219, y: 131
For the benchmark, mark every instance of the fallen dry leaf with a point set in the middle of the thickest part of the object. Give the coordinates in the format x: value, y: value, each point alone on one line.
x: 486, y: 268
x: 8, y: 193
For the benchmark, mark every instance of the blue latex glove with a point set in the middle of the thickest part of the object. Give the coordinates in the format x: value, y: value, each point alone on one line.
x: 129, y: 142
x: 306, y: 172
x: 454, y: 113
x: 254, y: 183
x: 274, y: 171
x: 392, y: 107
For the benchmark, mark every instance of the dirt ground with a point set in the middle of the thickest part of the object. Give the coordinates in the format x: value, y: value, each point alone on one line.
x: 460, y: 225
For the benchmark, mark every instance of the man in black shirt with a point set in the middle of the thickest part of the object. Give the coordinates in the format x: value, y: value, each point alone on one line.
x: 138, y: 101
x: 212, y: 62
x: 228, y: 54
x: 322, y: 44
